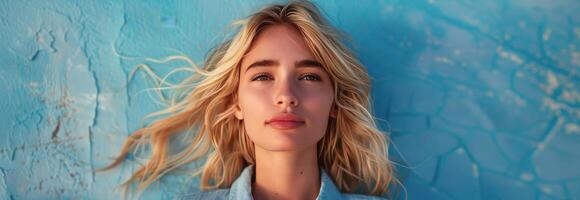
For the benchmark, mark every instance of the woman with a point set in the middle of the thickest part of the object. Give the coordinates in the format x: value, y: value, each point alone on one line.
x: 281, y: 111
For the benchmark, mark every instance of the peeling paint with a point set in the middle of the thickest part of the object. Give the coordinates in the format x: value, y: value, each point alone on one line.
x: 481, y: 97
x: 55, y: 130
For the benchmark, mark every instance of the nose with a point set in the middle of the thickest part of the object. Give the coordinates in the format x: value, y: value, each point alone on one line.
x: 285, y: 97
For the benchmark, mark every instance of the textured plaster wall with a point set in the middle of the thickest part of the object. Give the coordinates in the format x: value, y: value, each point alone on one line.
x: 481, y: 96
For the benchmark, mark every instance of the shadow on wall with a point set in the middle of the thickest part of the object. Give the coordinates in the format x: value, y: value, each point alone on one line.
x: 480, y: 98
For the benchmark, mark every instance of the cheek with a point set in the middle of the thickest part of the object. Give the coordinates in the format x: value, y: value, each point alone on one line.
x: 254, y: 103
x: 253, y: 98
x: 319, y: 101
x: 317, y: 106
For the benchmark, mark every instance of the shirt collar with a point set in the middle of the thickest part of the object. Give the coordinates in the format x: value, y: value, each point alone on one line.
x: 242, y: 186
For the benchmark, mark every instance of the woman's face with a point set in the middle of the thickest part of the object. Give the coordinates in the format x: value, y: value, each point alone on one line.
x: 280, y: 76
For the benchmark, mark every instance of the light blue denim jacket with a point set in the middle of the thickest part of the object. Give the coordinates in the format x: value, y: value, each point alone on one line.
x: 242, y: 190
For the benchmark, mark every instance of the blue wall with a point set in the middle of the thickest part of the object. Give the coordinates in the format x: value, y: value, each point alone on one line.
x: 481, y: 96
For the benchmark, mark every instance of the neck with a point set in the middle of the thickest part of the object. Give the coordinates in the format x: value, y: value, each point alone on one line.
x: 286, y: 174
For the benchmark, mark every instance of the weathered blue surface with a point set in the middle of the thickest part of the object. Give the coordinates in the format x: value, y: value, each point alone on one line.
x: 482, y: 96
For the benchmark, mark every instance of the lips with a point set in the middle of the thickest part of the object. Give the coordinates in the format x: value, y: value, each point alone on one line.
x: 285, y: 121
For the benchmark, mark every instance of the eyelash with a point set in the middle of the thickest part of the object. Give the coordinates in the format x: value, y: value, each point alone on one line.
x: 316, y: 77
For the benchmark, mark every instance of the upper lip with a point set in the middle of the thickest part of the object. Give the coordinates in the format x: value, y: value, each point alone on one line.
x: 286, y: 117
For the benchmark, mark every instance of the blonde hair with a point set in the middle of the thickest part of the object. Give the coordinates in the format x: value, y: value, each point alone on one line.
x: 353, y: 150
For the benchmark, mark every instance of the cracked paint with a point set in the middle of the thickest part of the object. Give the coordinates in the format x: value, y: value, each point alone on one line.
x: 480, y: 98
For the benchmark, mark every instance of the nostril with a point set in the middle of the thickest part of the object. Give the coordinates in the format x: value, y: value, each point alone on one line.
x: 291, y: 102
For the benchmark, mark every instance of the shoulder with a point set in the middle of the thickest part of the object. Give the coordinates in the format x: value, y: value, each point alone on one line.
x: 348, y: 196
x: 218, y: 194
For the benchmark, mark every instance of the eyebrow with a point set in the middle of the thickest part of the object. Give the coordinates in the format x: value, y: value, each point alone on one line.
x: 271, y: 63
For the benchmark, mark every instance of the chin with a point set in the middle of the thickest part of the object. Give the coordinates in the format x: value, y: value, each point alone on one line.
x: 286, y: 142
x: 283, y: 143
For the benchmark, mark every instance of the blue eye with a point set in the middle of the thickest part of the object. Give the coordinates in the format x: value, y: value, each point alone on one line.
x: 314, y: 77
x: 259, y: 77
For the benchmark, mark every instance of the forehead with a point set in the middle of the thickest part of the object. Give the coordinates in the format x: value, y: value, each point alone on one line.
x: 278, y: 42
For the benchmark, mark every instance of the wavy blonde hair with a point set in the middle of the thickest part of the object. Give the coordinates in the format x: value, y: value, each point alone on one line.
x: 353, y: 150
